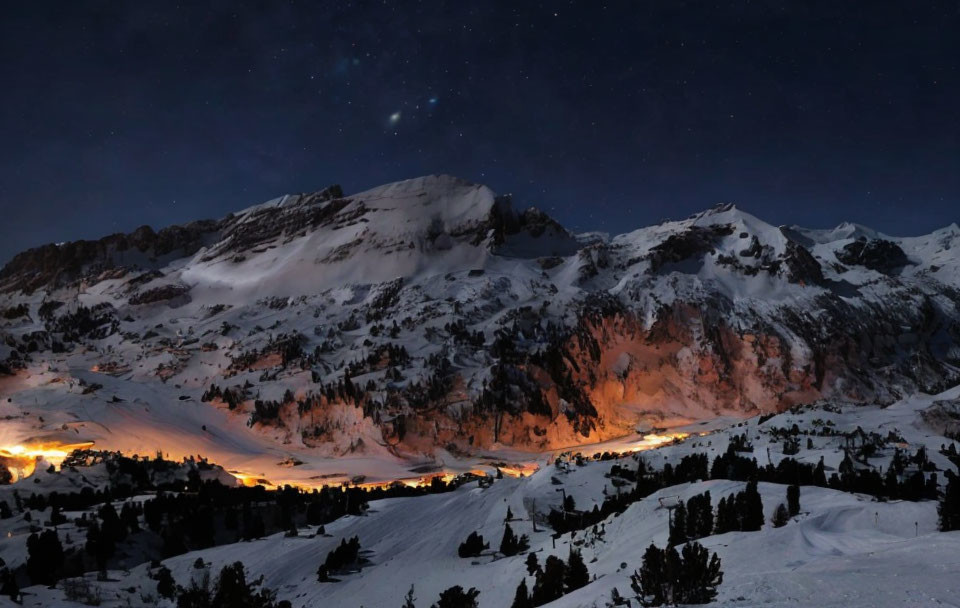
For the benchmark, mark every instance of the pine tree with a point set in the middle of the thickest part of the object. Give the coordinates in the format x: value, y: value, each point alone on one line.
x: 233, y: 590
x: 166, y: 586
x: 793, y: 500
x: 665, y: 577
x: 253, y: 526
x: 549, y: 584
x: 522, y: 597
x: 197, y: 595
x: 781, y: 516
x: 699, y: 516
x: 409, y: 599
x: 949, y: 508
x: 726, y: 518
x: 8, y: 585
x: 472, y: 546
x: 678, y: 525
x: 533, y: 566
x: 509, y: 516
x: 891, y: 483
x: 819, y: 474
x: 44, y: 557
x: 128, y: 517
x: 672, y: 571
x: 456, y: 597
x: 112, y: 527
x: 648, y: 582
x: 56, y: 517
x: 510, y: 544
x: 576, y: 574
x: 752, y: 512
x: 700, y: 576
x: 846, y: 465
x: 932, y: 489
x: 616, y: 599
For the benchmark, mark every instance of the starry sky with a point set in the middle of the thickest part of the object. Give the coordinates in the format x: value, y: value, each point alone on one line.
x: 608, y: 115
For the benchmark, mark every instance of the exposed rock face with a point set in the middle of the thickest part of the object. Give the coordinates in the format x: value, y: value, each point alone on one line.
x: 944, y: 417
x: 159, y: 294
x: 694, y: 242
x: 293, y: 216
x: 876, y: 254
x: 56, y: 265
x: 429, y: 313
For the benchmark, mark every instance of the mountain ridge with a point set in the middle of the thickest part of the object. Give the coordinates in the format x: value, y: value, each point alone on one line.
x: 429, y: 316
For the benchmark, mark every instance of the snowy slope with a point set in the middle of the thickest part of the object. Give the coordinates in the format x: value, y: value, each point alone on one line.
x: 430, y: 323
x: 842, y: 550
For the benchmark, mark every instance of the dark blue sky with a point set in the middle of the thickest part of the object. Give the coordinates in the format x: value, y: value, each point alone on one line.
x: 607, y: 115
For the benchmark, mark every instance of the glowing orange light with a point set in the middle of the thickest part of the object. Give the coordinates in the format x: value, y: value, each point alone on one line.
x: 654, y: 440
x: 22, y: 459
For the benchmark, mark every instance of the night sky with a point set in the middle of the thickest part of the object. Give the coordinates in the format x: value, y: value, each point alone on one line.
x: 609, y: 116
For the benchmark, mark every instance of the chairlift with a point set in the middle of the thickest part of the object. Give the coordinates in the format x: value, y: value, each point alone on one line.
x: 669, y: 502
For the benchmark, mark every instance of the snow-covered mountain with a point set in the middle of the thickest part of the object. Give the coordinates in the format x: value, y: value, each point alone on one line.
x: 430, y: 321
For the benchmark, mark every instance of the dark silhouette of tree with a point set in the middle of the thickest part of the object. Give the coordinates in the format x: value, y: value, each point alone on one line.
x: 409, y: 599
x: 533, y: 566
x: 233, y: 590
x: 197, y: 595
x: 616, y: 599
x: 750, y: 507
x: 678, y: 525
x: 8, y: 585
x: 651, y: 583
x: 576, y: 574
x: 253, y: 526
x: 949, y: 507
x: 44, y: 557
x: 56, y: 517
x: 699, y: 516
x: 346, y: 555
x: 549, y: 585
x: 793, y: 500
x: 726, y: 517
x: 511, y: 544
x: 129, y: 517
x: 456, y: 597
x: 112, y: 527
x: 819, y: 474
x: 521, y: 598
x: 166, y: 586
x: 781, y: 516
x: 473, y: 546
x: 666, y: 577
x: 700, y: 575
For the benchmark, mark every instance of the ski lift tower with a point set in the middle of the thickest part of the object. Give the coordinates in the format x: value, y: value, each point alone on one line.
x: 669, y: 503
